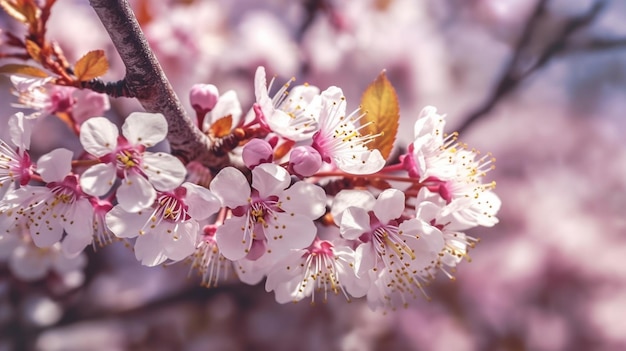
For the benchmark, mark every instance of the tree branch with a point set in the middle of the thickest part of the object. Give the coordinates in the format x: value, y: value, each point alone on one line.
x: 146, y: 81
x: 515, y: 73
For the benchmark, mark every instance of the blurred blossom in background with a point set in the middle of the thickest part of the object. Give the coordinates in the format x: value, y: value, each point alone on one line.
x: 540, y: 84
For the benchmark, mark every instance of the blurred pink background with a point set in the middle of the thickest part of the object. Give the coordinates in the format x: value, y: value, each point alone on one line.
x: 547, y: 277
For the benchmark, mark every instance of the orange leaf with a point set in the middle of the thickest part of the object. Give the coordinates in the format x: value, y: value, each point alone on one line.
x: 380, y: 104
x: 221, y: 127
x: 92, y: 65
x: 33, y: 50
x: 23, y: 70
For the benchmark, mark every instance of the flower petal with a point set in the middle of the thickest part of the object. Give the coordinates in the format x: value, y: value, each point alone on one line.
x: 232, y: 240
x: 55, y: 165
x: 20, y: 130
x: 389, y: 205
x: 347, y: 198
x: 231, y: 186
x: 289, y: 231
x: 98, y: 136
x: 270, y: 179
x: 145, y: 128
x: 148, y: 250
x: 135, y: 193
x: 201, y: 202
x: 79, y: 228
x: 126, y: 224
x: 47, y: 232
x: 354, y: 222
x: 304, y: 198
x: 164, y: 171
x: 366, y: 162
x: 185, y: 243
x: 98, y: 179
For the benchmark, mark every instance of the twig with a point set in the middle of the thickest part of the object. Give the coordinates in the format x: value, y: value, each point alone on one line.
x: 514, y: 73
x: 146, y: 81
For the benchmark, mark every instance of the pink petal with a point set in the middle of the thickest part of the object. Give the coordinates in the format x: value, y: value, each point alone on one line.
x: 231, y: 186
x: 231, y: 241
x: 55, y: 165
x: 270, y: 179
x: 304, y: 198
x: 289, y: 231
x: 135, y: 193
x: 389, y: 205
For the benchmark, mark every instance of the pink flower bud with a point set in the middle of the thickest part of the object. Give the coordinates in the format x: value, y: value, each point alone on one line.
x: 257, y: 151
x: 203, y: 97
x: 304, y: 161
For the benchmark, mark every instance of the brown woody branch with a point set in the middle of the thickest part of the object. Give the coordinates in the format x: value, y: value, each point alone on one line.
x: 146, y: 81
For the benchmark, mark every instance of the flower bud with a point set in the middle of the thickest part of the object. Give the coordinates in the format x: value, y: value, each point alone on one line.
x: 304, y: 161
x: 257, y: 151
x: 203, y: 97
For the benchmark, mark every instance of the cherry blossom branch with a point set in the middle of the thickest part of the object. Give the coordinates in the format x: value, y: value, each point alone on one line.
x: 515, y: 72
x: 146, y: 81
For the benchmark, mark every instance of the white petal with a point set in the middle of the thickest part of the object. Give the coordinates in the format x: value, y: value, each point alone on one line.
x: 148, y: 250
x: 427, y: 248
x: 98, y: 179
x: 230, y: 239
x: 367, y: 162
x: 79, y: 228
x: 126, y: 224
x: 285, y: 269
x: 389, y: 205
x: 304, y: 198
x: 289, y: 231
x: 145, y: 128
x: 354, y: 222
x: 365, y: 259
x: 164, y: 171
x: 46, y: 234
x: 20, y: 130
x: 135, y: 193
x: 185, y: 244
x: 260, y: 84
x: 270, y: 179
x: 201, y: 201
x: 98, y: 136
x: 231, y: 186
x: 55, y: 165
x: 347, y: 198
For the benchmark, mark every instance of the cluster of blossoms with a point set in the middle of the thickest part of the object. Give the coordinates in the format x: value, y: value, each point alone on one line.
x: 307, y: 203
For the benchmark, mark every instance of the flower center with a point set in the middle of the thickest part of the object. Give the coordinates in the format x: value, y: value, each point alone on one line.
x: 171, y: 208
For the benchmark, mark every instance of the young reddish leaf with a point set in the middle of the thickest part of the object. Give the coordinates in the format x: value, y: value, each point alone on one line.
x: 221, y: 127
x: 380, y: 104
x: 92, y: 65
x: 24, y: 70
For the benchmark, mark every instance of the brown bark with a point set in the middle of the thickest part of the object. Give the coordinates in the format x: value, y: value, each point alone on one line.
x: 146, y: 81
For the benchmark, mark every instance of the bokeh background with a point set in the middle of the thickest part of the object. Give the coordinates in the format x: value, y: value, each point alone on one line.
x: 540, y: 84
